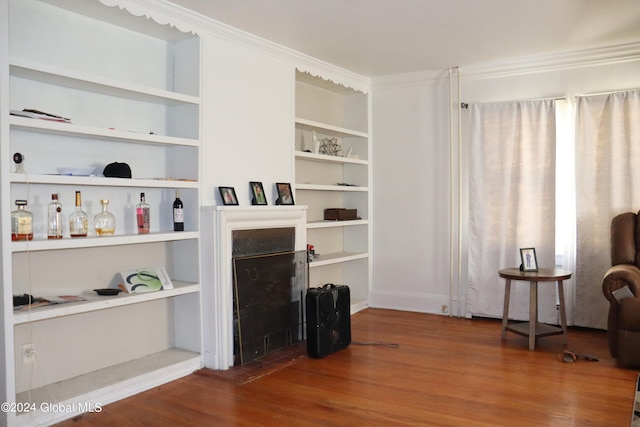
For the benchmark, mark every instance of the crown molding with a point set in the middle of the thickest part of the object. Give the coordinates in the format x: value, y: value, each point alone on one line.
x: 555, y: 62
x: 153, y: 10
x: 333, y: 74
x: 165, y: 12
x: 513, y: 67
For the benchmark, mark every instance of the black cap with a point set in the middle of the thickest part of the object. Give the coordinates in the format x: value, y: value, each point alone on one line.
x: 117, y: 170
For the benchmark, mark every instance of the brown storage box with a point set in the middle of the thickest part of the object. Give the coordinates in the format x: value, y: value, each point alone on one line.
x: 340, y: 214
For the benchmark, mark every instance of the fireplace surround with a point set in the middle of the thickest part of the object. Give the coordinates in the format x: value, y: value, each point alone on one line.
x: 218, y: 226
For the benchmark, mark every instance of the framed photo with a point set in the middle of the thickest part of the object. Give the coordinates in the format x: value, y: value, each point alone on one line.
x: 258, y: 193
x: 529, y: 260
x: 285, y: 196
x: 228, y: 195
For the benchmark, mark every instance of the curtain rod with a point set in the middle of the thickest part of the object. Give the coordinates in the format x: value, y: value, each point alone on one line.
x: 556, y: 98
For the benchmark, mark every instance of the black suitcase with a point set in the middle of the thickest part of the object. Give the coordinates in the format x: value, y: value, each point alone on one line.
x: 328, y: 319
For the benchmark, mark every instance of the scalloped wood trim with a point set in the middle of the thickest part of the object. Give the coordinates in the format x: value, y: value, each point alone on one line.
x: 335, y: 79
x: 143, y: 8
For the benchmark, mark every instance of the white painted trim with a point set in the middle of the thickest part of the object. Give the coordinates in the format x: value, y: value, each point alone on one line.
x: 555, y: 62
x: 218, y: 222
x: 519, y: 66
x: 417, y: 302
x: 200, y: 24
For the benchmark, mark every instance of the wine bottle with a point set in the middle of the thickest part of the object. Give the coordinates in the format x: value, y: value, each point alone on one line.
x: 142, y: 215
x: 178, y: 213
x: 78, y: 220
x: 54, y: 219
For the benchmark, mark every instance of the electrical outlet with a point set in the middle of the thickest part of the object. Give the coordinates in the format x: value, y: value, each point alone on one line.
x: 445, y: 309
x: 28, y: 353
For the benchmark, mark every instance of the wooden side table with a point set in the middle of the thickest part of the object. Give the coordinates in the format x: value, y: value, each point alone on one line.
x: 532, y: 328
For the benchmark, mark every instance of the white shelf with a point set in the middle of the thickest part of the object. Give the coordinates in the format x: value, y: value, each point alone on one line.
x: 329, y: 159
x: 108, y: 385
x: 329, y: 109
x: 335, y: 258
x: 73, y: 130
x: 332, y: 224
x: 98, y: 302
x: 328, y: 129
x: 116, y: 95
x: 44, y: 73
x: 101, y: 181
x: 325, y: 187
x: 94, y: 242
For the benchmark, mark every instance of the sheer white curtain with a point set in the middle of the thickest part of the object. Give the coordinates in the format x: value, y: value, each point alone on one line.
x: 511, y: 202
x: 607, y: 183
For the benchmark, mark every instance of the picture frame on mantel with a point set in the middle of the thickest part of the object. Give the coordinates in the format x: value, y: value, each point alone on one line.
x: 285, y: 195
x: 257, y: 191
x: 228, y: 195
x: 528, y: 259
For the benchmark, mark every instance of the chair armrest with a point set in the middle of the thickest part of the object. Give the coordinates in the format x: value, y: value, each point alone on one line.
x: 619, y: 276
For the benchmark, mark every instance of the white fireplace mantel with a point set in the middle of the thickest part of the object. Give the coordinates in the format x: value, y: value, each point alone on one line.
x: 218, y: 224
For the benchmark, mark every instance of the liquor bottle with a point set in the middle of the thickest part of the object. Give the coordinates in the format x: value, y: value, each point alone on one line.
x: 142, y: 215
x: 54, y: 219
x: 104, y: 222
x: 78, y: 220
x: 178, y: 213
x: 21, y: 222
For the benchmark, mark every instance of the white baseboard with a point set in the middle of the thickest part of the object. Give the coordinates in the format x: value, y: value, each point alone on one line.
x: 422, y: 303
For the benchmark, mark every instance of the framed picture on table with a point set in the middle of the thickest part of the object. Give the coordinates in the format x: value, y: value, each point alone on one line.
x: 257, y: 192
x: 228, y: 195
x: 528, y: 259
x: 285, y: 196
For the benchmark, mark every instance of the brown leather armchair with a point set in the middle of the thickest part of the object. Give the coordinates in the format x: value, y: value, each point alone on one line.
x: 624, y: 316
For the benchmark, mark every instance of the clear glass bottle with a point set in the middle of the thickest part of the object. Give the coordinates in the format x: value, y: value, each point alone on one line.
x: 142, y: 215
x: 104, y: 222
x: 78, y: 220
x: 54, y: 219
x: 178, y: 213
x: 21, y: 222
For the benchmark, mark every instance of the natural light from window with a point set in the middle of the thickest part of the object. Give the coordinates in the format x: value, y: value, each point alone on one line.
x: 565, y: 184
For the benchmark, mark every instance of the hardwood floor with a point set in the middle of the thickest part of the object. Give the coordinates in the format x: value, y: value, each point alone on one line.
x: 444, y: 372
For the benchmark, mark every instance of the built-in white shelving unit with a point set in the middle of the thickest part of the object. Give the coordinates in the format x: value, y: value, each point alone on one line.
x: 131, y: 88
x: 330, y: 110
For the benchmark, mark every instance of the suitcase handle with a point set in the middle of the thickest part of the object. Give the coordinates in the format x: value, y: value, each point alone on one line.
x: 328, y: 286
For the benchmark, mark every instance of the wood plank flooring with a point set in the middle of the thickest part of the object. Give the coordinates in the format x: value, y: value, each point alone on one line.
x: 444, y: 372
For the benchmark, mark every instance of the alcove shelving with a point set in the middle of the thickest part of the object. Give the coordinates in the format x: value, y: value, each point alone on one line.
x: 131, y: 90
x: 332, y: 152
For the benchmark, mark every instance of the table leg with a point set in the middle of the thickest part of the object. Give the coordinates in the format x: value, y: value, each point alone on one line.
x: 563, y: 315
x: 505, y: 313
x: 533, y: 313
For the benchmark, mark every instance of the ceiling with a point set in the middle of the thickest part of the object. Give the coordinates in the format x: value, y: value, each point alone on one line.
x: 386, y: 37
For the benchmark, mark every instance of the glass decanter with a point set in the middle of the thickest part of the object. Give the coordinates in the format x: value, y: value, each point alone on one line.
x: 104, y: 222
x: 21, y: 222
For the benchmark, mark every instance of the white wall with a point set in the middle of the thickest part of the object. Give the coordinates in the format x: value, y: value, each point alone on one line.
x: 411, y: 166
x: 411, y: 201
x: 247, y: 118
